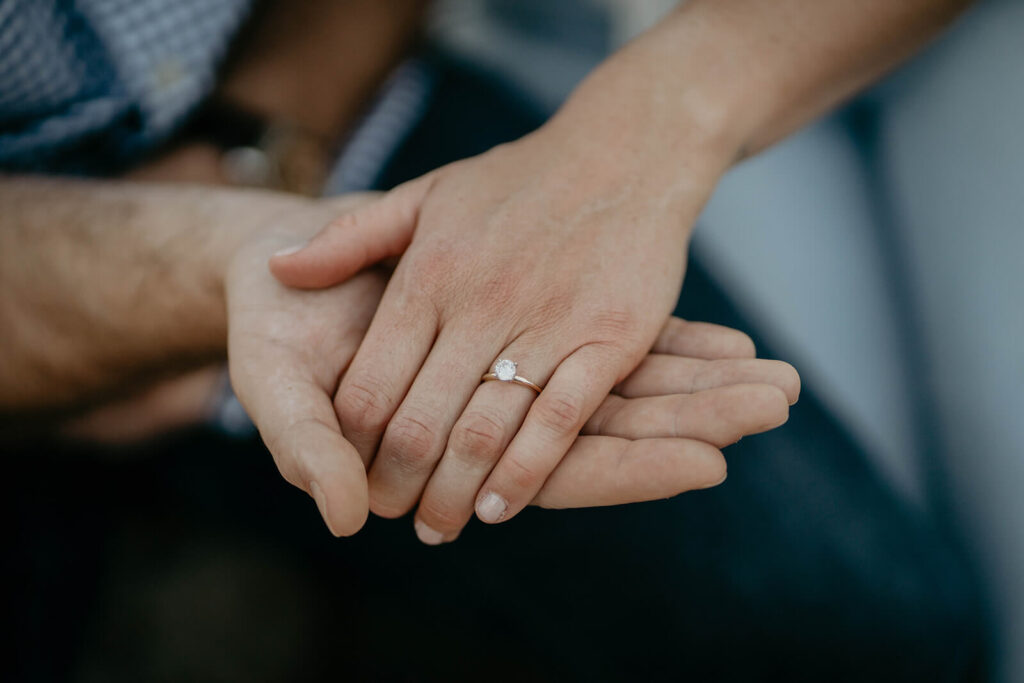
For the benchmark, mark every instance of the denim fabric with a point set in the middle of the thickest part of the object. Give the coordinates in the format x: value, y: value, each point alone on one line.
x: 86, y: 86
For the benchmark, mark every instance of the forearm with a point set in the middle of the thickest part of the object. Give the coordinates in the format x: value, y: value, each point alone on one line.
x: 720, y: 80
x: 106, y: 283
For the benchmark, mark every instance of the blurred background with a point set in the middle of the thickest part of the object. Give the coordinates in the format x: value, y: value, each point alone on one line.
x: 880, y: 250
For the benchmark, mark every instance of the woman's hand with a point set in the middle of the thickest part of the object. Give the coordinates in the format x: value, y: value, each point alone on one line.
x: 527, y: 253
x: 656, y: 436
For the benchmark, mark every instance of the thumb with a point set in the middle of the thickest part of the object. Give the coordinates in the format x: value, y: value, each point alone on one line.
x: 313, y: 455
x: 355, y: 240
x: 296, y: 419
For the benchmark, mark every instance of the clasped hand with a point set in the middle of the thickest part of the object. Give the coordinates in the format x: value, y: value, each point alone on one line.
x: 501, y: 258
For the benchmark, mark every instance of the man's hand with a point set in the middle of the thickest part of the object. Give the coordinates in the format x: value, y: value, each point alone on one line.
x: 657, y: 435
x: 515, y: 256
x: 190, y: 255
x: 287, y: 351
x: 509, y: 261
x: 564, y: 251
x: 545, y: 292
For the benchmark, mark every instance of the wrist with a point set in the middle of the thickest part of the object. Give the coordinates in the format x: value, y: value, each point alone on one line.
x: 680, y: 104
x: 627, y: 124
x: 112, y: 283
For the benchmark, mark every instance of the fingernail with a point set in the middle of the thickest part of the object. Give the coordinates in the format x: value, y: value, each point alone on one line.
x: 288, y: 251
x: 491, y: 508
x: 321, y: 503
x: 428, y: 535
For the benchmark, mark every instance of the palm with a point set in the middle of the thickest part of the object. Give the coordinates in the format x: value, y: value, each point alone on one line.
x: 287, y: 351
x: 658, y: 434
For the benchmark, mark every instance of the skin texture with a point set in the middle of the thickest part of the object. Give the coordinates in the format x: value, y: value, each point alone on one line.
x: 108, y: 286
x: 565, y: 250
x: 288, y: 354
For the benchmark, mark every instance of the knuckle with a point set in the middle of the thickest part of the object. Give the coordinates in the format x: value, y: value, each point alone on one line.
x: 386, y: 506
x: 432, y: 267
x: 616, y: 325
x: 362, y: 405
x: 344, y: 223
x: 554, y: 307
x: 545, y: 313
x: 478, y: 437
x: 442, y: 516
x: 560, y: 412
x: 409, y: 442
x: 499, y: 286
x: 523, y: 475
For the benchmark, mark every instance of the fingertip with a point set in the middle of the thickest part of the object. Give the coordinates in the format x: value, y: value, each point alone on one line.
x: 718, y: 470
x: 321, y: 503
x: 312, y: 266
x: 340, y: 492
x: 427, y: 534
x: 784, y: 376
x: 491, y: 508
x: 744, y: 345
x: 350, y: 524
x: 793, y: 384
x: 288, y: 251
x: 730, y: 342
x: 348, y: 514
x: 382, y: 506
x: 704, y: 340
x: 703, y: 463
x: 286, y: 265
x: 733, y: 343
x: 344, y: 519
x: 776, y: 405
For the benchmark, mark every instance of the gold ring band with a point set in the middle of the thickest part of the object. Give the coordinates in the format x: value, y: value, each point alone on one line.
x: 522, y: 381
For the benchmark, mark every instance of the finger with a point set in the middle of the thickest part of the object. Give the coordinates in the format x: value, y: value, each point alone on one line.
x: 719, y: 416
x: 554, y: 421
x: 384, y: 367
x: 297, y: 422
x: 606, y: 470
x: 354, y: 240
x: 478, y: 438
x: 158, y: 410
x: 416, y: 435
x: 702, y: 340
x: 661, y: 374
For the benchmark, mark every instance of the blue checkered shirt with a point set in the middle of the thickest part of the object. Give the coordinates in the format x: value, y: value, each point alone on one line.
x: 88, y: 86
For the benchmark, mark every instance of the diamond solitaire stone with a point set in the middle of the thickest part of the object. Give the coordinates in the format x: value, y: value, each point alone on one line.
x: 505, y: 370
